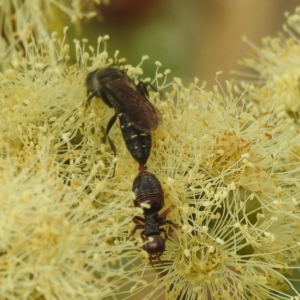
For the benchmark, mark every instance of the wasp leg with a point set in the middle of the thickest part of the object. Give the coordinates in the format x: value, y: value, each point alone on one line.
x: 110, y: 123
x: 143, y: 87
x: 161, y: 219
x: 90, y: 97
x: 140, y: 224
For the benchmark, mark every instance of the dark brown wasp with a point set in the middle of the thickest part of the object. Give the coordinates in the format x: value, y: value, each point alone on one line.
x: 150, y: 197
x: 137, y: 115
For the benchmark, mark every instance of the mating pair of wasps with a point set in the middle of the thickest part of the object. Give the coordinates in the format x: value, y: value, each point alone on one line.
x: 137, y: 115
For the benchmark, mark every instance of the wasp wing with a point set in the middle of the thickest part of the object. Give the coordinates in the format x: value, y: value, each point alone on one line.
x: 140, y: 111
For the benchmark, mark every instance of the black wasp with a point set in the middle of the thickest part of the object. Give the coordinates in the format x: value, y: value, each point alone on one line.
x: 150, y: 197
x: 137, y: 116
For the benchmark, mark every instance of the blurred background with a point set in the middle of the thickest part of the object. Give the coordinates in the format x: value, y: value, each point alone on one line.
x: 194, y: 38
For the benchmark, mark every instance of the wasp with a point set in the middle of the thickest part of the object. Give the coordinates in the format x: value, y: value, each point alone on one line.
x: 150, y: 197
x: 137, y: 115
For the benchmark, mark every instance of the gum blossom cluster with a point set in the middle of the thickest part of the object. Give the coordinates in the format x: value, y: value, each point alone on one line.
x: 227, y: 164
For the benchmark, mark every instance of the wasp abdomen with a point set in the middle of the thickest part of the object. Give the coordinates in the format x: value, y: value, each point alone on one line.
x: 137, y: 142
x: 148, y: 190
